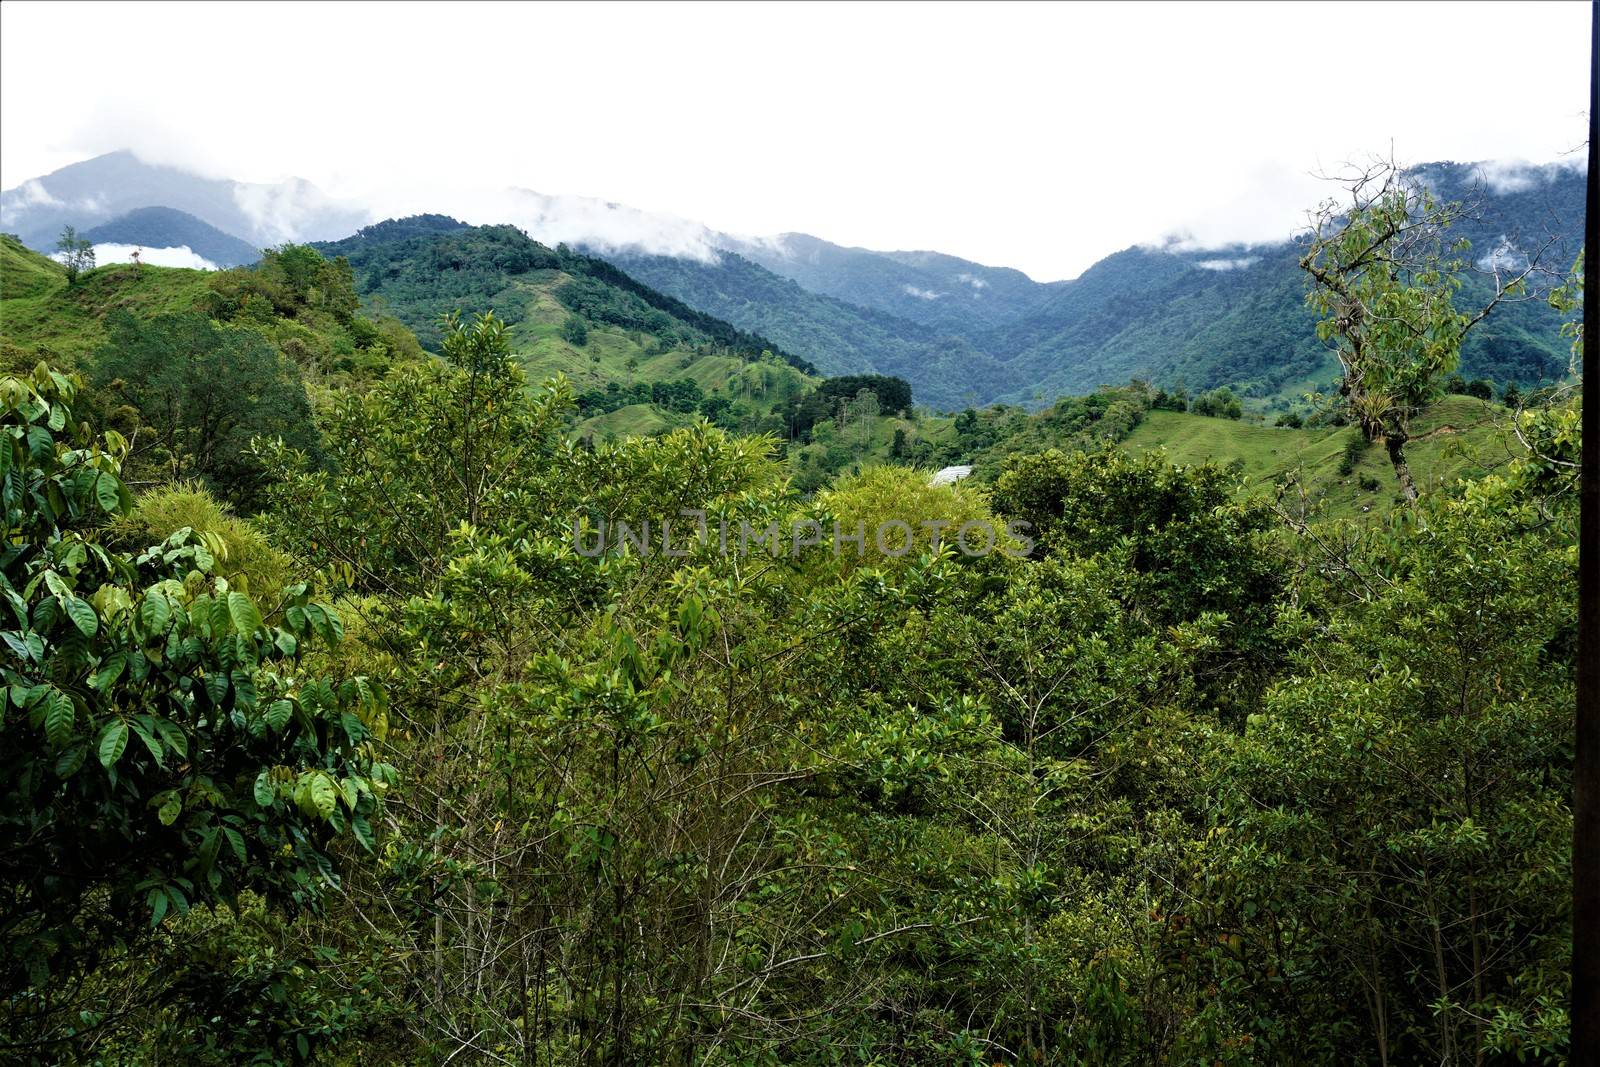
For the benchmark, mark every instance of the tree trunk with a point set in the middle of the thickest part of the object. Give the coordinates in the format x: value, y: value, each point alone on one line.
x: 1395, y: 442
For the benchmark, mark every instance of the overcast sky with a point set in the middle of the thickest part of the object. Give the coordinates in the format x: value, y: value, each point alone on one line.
x: 1035, y: 136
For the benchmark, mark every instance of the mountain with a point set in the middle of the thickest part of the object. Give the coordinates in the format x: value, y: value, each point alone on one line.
x: 640, y: 361
x: 835, y: 335
x: 964, y: 334
x: 1200, y: 317
x: 945, y: 293
x: 165, y: 227
x: 107, y: 187
x: 422, y: 267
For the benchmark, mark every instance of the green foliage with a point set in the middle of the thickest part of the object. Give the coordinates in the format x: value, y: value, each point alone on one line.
x: 163, y: 746
x: 1382, y: 275
x: 242, y: 554
x: 76, y: 253
x: 432, y: 447
x: 1219, y: 403
x: 575, y: 331
x: 1407, y: 785
x: 1165, y: 790
x: 1186, y: 550
x: 197, y: 394
x: 1355, y: 446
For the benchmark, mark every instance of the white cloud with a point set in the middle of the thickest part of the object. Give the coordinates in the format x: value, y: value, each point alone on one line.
x: 1518, y: 175
x: 575, y: 220
x: 1239, y: 263
x: 972, y: 280
x: 1196, y: 140
x: 921, y: 294
x: 1502, y: 258
x: 181, y: 256
x: 34, y: 194
x: 281, y: 211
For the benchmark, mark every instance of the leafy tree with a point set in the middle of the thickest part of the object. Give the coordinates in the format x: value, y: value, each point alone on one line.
x: 897, y: 448
x: 1218, y: 403
x: 162, y: 744
x: 1185, y: 547
x: 75, y: 253
x: 575, y: 331
x: 1395, y: 822
x: 432, y: 447
x: 199, y: 393
x: 1382, y: 275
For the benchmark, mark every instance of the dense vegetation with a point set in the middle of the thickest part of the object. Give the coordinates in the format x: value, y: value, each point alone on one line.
x: 1171, y: 315
x: 419, y: 268
x: 328, y: 737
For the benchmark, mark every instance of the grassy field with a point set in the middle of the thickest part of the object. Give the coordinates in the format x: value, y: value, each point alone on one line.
x: 1457, y: 437
x: 42, y: 318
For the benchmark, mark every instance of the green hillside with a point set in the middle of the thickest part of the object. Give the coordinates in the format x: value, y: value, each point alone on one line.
x: 1456, y: 438
x: 24, y: 272
x: 641, y: 362
x: 1171, y: 314
x: 41, y: 317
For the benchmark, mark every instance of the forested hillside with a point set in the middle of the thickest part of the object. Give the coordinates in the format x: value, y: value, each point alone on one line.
x: 1174, y: 315
x: 590, y: 682
x: 964, y: 334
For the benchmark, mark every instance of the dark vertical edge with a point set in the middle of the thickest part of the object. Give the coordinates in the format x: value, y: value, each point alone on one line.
x: 1586, y: 766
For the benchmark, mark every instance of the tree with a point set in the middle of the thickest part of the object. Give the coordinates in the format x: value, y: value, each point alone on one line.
x: 1394, y: 830
x: 1382, y: 275
x: 200, y: 393
x: 161, y: 745
x: 1185, y: 548
x: 75, y: 253
x: 1219, y: 403
x: 575, y: 331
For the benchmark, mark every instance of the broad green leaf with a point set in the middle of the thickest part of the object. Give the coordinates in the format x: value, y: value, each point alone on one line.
x: 108, y: 492
x: 173, y: 735
x: 278, y: 713
x: 264, y: 792
x: 217, y: 686
x: 150, y: 743
x: 109, y: 671
x: 113, y: 740
x: 154, y: 613
x: 81, y: 612
x: 68, y: 763
x: 316, y: 795
x: 236, y: 841
x: 168, y: 805
x: 246, y: 619
x: 58, y: 718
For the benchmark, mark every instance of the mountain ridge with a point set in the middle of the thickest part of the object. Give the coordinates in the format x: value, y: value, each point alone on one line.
x: 963, y: 333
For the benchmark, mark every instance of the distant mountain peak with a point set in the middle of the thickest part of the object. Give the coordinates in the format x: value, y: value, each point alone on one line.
x: 105, y: 188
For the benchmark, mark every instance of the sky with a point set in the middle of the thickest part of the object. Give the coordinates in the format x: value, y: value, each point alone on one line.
x: 1035, y: 136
